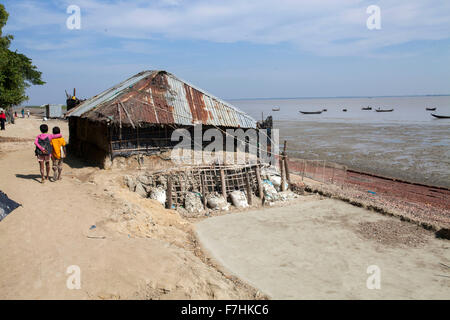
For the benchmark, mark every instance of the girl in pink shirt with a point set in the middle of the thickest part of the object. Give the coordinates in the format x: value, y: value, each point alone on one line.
x: 44, y: 149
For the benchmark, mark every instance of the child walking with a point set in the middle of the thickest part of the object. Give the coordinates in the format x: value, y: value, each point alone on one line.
x: 44, y: 149
x: 58, y: 154
x: 2, y: 119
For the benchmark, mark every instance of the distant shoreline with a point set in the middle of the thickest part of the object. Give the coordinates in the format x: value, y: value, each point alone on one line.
x: 342, y: 97
x: 303, y: 98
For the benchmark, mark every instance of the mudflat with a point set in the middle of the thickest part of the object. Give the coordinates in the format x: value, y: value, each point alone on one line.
x: 412, y: 152
x: 321, y: 249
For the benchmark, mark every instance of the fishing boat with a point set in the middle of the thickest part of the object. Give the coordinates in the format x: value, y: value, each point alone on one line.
x: 276, y: 109
x: 345, y: 110
x: 440, y: 116
x: 310, y: 112
x: 367, y: 108
x: 430, y: 109
x: 384, y: 110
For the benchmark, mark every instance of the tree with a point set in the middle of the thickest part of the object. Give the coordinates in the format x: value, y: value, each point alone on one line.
x: 16, y: 70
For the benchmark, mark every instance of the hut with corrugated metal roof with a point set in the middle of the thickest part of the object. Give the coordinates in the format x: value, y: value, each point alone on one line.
x: 139, y: 115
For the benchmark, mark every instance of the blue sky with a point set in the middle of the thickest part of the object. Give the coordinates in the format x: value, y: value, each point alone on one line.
x: 237, y: 48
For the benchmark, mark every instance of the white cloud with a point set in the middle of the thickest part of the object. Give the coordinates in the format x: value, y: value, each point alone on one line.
x: 25, y: 15
x: 326, y: 27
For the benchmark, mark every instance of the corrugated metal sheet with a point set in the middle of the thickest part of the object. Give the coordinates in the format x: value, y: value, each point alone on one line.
x: 158, y: 97
x: 107, y: 95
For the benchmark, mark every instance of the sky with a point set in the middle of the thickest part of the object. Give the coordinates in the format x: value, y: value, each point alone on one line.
x: 238, y: 49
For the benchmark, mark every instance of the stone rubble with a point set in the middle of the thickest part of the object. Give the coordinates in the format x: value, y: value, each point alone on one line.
x: 193, y: 202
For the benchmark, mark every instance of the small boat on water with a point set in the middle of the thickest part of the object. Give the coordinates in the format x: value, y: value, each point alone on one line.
x: 367, y: 108
x: 324, y: 110
x: 276, y: 109
x: 310, y: 112
x: 345, y: 110
x: 440, y: 116
x: 384, y: 110
x: 431, y: 109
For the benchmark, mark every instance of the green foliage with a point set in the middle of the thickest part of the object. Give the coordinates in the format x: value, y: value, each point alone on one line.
x: 16, y: 70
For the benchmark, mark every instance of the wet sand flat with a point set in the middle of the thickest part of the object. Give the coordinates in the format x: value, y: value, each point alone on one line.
x: 414, y: 152
x: 321, y: 249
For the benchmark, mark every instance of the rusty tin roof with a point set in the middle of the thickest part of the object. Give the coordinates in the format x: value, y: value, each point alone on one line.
x: 158, y: 97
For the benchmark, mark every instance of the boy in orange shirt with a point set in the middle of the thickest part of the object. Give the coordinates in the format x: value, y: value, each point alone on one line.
x: 58, y: 154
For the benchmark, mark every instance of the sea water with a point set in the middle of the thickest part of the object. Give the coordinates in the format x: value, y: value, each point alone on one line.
x: 407, y: 143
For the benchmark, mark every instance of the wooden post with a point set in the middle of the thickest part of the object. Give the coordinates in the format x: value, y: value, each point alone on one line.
x: 224, y: 184
x: 323, y: 172
x: 249, y: 189
x: 258, y: 179
x: 110, y: 143
x: 332, y: 177
x: 286, y: 165
x: 203, y: 191
x: 169, y: 192
x: 283, y: 185
x: 304, y: 169
x: 120, y: 123
x: 286, y: 169
x: 345, y: 177
x: 316, y: 166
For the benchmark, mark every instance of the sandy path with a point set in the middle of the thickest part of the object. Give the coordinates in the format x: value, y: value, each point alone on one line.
x: 49, y: 233
x: 318, y: 249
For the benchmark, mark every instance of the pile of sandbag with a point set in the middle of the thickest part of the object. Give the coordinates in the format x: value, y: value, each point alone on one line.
x: 144, y: 186
x: 273, y: 175
x: 154, y: 186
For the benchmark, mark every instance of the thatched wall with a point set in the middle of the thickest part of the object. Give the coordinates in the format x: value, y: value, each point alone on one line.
x: 96, y: 142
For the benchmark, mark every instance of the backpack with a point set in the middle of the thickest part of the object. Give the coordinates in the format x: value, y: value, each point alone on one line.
x: 44, y: 143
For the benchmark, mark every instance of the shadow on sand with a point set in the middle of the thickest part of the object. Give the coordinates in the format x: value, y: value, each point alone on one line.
x: 77, y: 163
x: 35, y: 177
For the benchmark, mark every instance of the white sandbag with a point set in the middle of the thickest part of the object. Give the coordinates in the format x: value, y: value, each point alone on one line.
x: 158, y: 194
x: 217, y: 202
x: 140, y: 190
x: 239, y: 199
x: 276, y: 181
x: 266, y: 172
x: 270, y: 193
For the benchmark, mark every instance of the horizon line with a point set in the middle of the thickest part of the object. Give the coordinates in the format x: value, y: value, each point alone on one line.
x: 337, y: 97
x: 292, y: 98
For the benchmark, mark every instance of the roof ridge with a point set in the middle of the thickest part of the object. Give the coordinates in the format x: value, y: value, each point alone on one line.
x: 222, y: 118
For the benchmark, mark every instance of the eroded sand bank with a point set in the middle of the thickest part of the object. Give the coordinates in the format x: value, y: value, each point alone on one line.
x: 126, y: 247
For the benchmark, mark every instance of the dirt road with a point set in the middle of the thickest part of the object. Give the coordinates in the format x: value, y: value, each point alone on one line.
x: 137, y: 249
x: 321, y: 249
